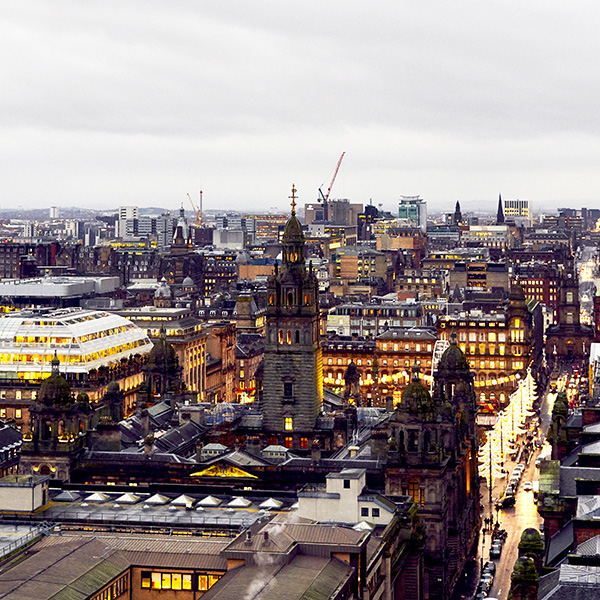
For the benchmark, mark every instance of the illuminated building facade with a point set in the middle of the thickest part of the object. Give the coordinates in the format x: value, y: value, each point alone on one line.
x: 397, y: 350
x: 93, y: 348
x: 183, y: 331
x: 498, y: 346
x: 368, y: 319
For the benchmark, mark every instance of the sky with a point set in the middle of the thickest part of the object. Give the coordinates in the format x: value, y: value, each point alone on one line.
x: 133, y: 102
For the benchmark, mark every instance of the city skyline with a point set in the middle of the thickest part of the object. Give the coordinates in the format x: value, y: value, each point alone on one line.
x: 130, y: 104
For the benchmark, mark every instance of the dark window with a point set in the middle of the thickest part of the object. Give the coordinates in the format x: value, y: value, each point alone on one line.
x: 374, y: 512
x: 288, y: 389
x: 364, y: 512
x: 347, y: 484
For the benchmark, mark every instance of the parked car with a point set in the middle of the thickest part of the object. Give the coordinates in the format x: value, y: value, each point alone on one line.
x: 489, y: 567
x: 496, y: 550
x: 487, y: 578
x: 507, y: 501
x: 528, y: 486
x: 510, y: 490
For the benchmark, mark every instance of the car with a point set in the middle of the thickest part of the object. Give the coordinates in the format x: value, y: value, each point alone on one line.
x: 496, y: 550
x: 510, y: 490
x: 489, y: 567
x: 528, y: 486
x: 487, y: 578
x: 484, y: 586
x: 519, y: 467
x: 507, y: 502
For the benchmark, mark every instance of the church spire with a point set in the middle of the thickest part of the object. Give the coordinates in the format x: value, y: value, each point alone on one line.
x: 500, y: 215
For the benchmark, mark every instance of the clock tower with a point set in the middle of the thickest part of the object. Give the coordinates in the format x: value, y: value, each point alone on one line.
x: 293, y: 368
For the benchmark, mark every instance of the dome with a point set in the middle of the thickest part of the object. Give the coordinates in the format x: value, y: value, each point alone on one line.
x: 351, y: 374
x: 163, y: 290
x: 531, y: 542
x: 524, y: 571
x: 293, y: 232
x: 188, y: 282
x: 517, y: 293
x: 416, y: 398
x: 560, y: 405
x: 162, y: 354
x: 55, y: 391
x: 453, y: 358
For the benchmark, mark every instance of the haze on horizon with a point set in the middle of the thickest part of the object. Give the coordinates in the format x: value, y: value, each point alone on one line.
x: 139, y: 103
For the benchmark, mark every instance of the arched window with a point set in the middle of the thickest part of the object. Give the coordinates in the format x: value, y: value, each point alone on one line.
x: 289, y: 337
x: 290, y: 298
x: 281, y: 336
x: 297, y: 337
x: 306, y: 299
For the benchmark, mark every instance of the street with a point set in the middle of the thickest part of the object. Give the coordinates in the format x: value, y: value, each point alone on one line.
x: 513, y: 520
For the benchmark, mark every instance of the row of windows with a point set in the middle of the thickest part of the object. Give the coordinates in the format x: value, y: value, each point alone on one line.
x: 18, y: 413
x: 115, y: 589
x: 178, y: 581
x: 288, y: 442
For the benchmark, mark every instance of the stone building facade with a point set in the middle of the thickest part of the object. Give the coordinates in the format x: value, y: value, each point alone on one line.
x: 430, y: 451
x: 293, y: 370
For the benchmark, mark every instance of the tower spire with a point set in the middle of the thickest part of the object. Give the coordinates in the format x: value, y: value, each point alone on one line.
x: 500, y: 216
x: 293, y: 197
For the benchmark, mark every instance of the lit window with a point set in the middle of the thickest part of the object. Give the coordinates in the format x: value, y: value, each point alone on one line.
x: 18, y: 413
x: 288, y: 424
x: 288, y: 442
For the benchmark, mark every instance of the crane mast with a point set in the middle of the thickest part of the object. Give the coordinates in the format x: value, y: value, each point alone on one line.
x: 324, y: 198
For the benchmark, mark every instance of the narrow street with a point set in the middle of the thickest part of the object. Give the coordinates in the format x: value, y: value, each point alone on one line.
x: 513, y: 520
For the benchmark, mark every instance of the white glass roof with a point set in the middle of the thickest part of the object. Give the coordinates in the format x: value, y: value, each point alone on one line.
x: 82, y: 340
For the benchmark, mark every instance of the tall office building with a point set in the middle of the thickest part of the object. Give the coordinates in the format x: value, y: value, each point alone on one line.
x: 413, y: 208
x: 125, y: 213
x: 519, y: 211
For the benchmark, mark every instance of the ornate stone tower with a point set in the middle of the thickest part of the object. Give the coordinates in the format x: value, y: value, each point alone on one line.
x: 568, y: 339
x: 59, y: 425
x: 293, y: 367
x: 432, y: 456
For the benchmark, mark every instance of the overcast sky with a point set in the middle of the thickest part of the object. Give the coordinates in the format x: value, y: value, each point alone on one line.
x: 140, y: 102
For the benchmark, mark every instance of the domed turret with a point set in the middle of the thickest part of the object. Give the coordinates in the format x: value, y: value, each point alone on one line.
x: 524, y: 571
x: 416, y: 398
x: 560, y: 408
x: 517, y: 293
x: 531, y: 542
x: 55, y: 390
x: 453, y: 358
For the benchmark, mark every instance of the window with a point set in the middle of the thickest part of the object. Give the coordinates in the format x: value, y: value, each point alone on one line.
x: 289, y: 442
x: 413, y: 489
x: 288, y: 424
x: 303, y: 443
x: 346, y: 484
x: 374, y: 512
x: 3, y: 413
x: 288, y: 389
x: 166, y: 581
x: 364, y: 511
x: 18, y: 395
x: 289, y: 337
x: 18, y: 413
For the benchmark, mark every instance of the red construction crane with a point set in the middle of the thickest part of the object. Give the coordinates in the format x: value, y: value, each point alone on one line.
x: 324, y: 198
x: 197, y: 210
